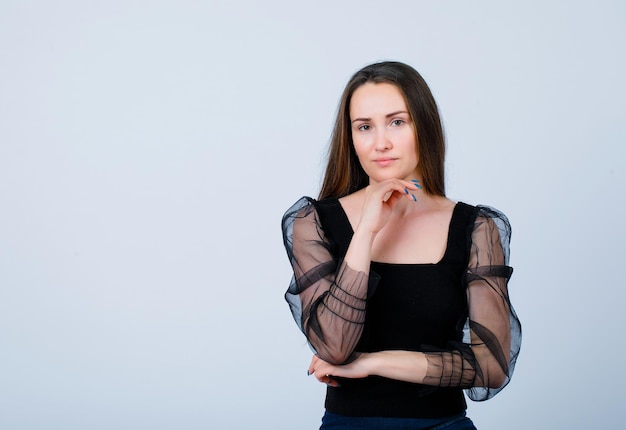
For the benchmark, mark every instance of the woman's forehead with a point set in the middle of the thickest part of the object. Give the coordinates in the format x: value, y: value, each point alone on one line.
x: 373, y: 99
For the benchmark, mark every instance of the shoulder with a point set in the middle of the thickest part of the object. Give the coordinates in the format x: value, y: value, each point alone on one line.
x: 304, y: 207
x: 308, y: 209
x: 299, y: 205
x: 300, y: 219
x: 309, y: 203
x: 482, y: 213
x: 491, y: 225
x: 483, y: 217
x: 494, y: 216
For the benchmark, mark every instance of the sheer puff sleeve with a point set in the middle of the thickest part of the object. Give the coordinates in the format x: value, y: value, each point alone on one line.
x: 327, y: 298
x: 483, y: 362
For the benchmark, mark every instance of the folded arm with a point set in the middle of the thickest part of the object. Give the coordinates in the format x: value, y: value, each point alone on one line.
x: 327, y: 296
x: 483, y: 361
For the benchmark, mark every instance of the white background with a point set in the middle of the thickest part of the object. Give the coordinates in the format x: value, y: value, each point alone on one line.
x: 149, y: 148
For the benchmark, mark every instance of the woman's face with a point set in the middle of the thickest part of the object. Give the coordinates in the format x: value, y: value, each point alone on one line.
x: 383, y: 133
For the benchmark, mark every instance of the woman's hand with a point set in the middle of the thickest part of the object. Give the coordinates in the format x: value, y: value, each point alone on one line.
x: 325, y: 372
x: 379, y: 201
x: 381, y: 198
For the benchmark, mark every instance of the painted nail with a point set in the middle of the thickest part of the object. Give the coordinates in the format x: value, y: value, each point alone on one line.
x: 414, y: 198
x: 406, y: 191
x: 308, y: 373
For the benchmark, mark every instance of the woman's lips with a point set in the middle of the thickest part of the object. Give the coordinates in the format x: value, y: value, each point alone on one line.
x: 383, y: 162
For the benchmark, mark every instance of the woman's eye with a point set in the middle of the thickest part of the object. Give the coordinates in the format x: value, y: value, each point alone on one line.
x: 364, y: 127
x: 397, y: 122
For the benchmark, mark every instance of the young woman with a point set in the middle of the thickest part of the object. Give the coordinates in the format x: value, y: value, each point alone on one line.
x: 401, y: 292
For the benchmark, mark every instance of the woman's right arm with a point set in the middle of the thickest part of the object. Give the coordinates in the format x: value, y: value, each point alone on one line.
x: 328, y: 295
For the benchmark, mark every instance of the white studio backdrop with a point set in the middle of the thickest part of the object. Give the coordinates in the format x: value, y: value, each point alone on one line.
x: 149, y: 148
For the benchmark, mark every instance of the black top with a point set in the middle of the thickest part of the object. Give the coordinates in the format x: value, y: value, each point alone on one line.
x: 413, y: 305
x: 445, y: 309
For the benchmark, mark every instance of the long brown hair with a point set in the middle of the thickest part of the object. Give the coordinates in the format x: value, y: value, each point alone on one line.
x: 344, y: 174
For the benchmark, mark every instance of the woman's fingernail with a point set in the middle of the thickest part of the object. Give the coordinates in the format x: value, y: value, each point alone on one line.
x: 308, y: 373
x: 414, y: 198
x: 406, y: 191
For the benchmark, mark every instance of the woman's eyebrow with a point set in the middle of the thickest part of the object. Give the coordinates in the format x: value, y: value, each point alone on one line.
x: 386, y: 116
x: 361, y: 119
x: 395, y: 113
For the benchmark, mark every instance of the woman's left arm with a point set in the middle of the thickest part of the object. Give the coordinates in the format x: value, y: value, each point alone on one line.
x: 406, y: 366
x: 483, y: 362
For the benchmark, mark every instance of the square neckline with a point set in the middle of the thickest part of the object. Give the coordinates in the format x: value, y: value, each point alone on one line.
x: 455, y: 213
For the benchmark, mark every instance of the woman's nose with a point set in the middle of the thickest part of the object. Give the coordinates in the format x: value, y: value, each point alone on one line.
x: 382, y: 142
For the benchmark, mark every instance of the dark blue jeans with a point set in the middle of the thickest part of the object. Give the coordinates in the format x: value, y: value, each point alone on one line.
x: 339, y: 422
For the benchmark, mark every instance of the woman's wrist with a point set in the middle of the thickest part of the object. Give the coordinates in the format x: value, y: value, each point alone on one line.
x: 358, y: 256
x: 364, y: 234
x: 371, y: 362
x: 406, y: 366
